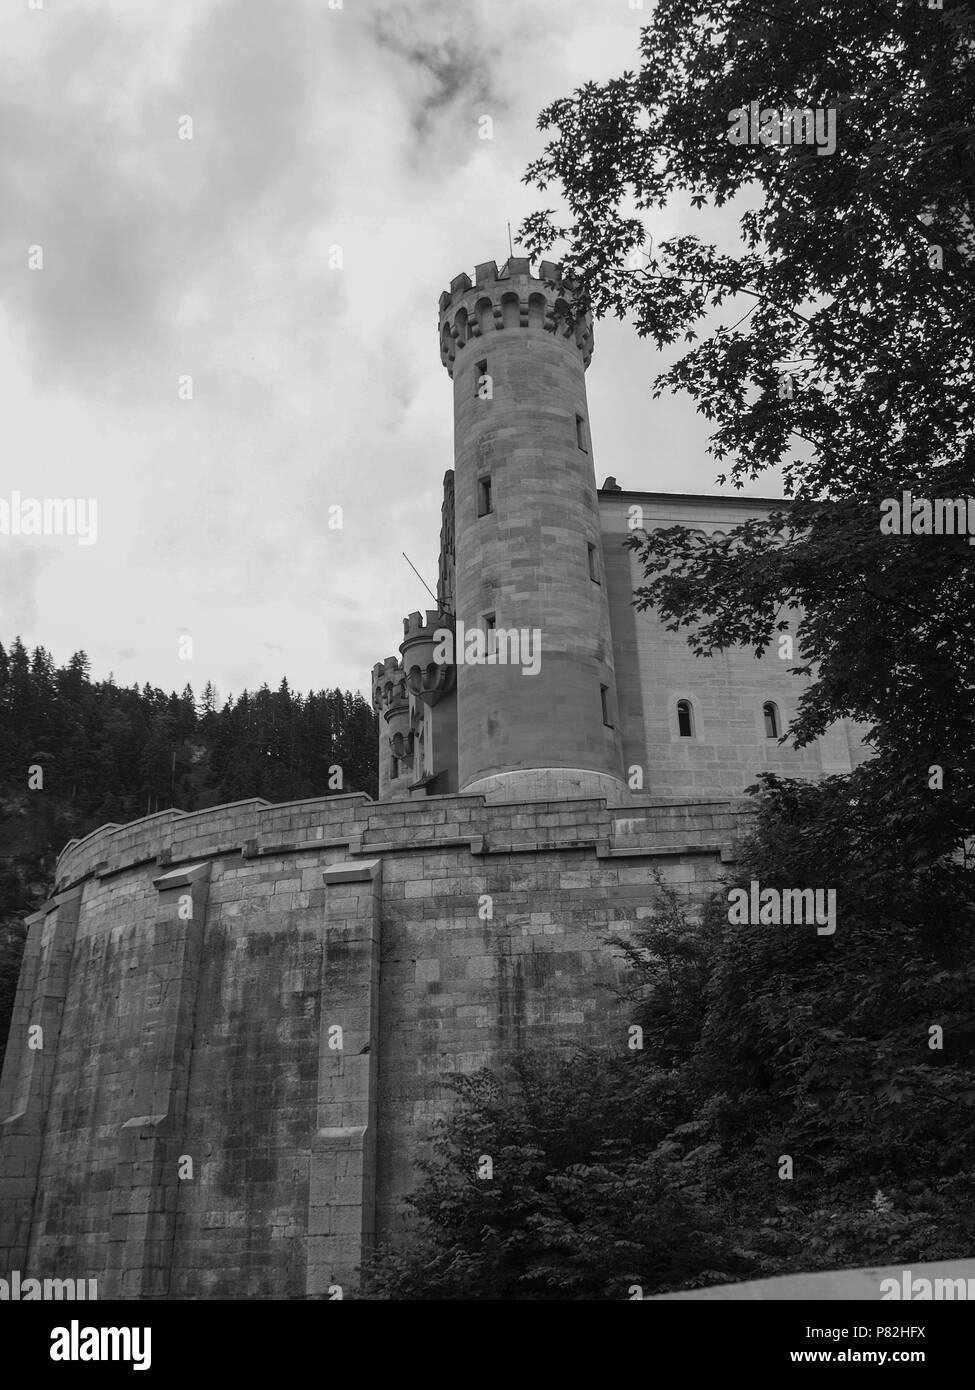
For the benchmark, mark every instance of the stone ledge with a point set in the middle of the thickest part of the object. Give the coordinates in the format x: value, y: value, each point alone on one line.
x: 340, y: 1137
x: 542, y: 847
x: 657, y: 851
x: 363, y: 870
x: 255, y: 849
x: 419, y: 846
x: 20, y: 1122
x: 181, y: 878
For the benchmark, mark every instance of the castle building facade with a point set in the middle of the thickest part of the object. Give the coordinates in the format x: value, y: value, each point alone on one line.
x: 233, y: 1027
x: 585, y: 695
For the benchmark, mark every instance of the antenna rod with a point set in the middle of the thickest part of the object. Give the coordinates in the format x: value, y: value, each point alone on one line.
x: 420, y: 577
x: 511, y: 249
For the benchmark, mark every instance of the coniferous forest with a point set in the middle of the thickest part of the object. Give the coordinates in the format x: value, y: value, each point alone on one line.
x: 78, y: 753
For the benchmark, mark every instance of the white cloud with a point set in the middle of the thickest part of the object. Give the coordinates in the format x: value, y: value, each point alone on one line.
x: 312, y: 127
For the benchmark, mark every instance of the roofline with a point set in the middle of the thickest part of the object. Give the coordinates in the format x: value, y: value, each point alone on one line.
x: 692, y: 496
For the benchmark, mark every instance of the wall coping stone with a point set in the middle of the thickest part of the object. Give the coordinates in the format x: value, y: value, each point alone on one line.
x: 173, y: 839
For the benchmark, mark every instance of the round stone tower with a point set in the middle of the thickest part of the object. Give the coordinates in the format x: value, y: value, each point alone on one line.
x: 537, y: 714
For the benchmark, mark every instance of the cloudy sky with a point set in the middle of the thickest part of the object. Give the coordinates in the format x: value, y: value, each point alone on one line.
x: 313, y: 387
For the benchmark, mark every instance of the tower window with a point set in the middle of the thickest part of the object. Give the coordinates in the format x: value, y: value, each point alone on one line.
x: 771, y: 720
x: 484, y: 504
x: 685, y: 719
x: 394, y: 767
x: 604, y: 700
x: 480, y: 372
x: 593, y: 562
x: 581, y: 434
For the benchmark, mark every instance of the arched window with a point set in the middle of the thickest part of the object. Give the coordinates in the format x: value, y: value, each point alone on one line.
x: 510, y: 311
x: 771, y: 714
x: 685, y: 719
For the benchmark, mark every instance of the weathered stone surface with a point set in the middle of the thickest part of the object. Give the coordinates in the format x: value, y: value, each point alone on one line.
x: 188, y: 1016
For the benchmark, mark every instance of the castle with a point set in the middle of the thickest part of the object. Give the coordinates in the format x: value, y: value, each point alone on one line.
x: 232, y: 1026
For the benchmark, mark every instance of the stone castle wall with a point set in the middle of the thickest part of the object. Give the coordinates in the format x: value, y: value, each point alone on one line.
x: 655, y: 668
x: 189, y: 975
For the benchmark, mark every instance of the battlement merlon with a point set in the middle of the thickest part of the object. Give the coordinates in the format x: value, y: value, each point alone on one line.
x: 510, y: 298
x: 419, y: 626
x: 390, y: 664
x: 487, y: 273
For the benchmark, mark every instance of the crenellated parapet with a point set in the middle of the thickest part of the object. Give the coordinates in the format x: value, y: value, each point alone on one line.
x: 428, y: 676
x: 506, y: 299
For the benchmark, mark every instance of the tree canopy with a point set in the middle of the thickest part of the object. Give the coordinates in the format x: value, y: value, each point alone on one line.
x: 794, y: 1102
x: 831, y: 338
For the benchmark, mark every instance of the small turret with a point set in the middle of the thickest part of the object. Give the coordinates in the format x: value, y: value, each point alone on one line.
x: 427, y: 650
x: 390, y: 700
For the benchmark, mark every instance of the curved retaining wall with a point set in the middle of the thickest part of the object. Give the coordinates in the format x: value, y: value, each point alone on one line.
x: 248, y: 1014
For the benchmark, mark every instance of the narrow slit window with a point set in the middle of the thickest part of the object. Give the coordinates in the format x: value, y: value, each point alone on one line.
x: 685, y: 719
x: 484, y: 503
x: 394, y: 767
x: 771, y: 720
x: 593, y: 562
x: 581, y: 434
x: 480, y: 372
x: 604, y: 701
